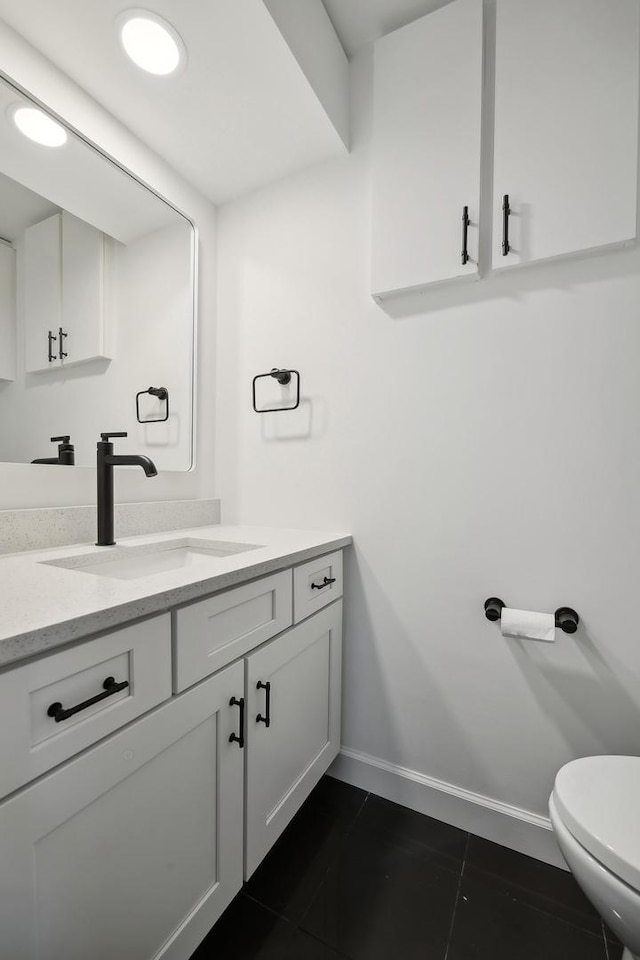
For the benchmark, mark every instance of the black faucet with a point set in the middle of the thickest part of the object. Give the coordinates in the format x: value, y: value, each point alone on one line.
x: 107, y: 460
x: 66, y: 452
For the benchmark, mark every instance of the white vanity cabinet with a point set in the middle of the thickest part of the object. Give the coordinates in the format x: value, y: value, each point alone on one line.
x: 128, y: 827
x: 293, y: 724
x: 566, y: 126
x: 134, y: 849
x: 7, y: 311
x: 65, y: 277
x: 426, y: 150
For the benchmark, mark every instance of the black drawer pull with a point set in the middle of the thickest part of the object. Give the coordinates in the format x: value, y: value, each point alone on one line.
x: 506, y: 211
x: 234, y: 737
x: 58, y: 712
x: 325, y: 583
x: 267, y: 703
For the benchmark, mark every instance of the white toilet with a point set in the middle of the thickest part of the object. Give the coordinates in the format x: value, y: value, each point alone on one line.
x: 595, y: 813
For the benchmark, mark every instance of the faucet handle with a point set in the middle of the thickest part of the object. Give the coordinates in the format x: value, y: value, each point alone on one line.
x: 66, y: 439
x: 107, y: 436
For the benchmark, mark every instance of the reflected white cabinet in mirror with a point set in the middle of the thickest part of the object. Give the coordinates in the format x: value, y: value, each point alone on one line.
x: 97, y: 303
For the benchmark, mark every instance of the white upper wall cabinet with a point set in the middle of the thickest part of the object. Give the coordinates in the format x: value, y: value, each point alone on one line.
x: 566, y: 126
x: 426, y: 153
x: 65, y: 293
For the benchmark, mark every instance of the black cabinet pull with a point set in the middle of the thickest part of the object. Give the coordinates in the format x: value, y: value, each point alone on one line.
x: 465, y: 233
x: 52, y: 339
x: 267, y: 703
x: 58, y: 712
x: 506, y: 210
x: 325, y: 583
x: 235, y: 737
x: 62, y: 336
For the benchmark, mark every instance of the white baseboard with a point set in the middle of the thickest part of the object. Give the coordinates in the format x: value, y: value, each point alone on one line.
x: 503, y: 823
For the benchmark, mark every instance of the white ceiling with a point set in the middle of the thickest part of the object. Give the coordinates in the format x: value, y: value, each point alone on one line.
x: 358, y: 22
x: 75, y: 178
x: 241, y: 114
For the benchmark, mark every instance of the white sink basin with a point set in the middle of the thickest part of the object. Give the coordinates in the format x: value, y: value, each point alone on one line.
x: 131, y: 563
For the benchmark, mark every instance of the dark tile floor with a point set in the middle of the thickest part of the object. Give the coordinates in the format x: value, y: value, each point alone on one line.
x: 359, y: 878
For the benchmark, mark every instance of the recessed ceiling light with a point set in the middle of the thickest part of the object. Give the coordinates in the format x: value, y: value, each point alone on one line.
x: 39, y: 126
x: 152, y: 43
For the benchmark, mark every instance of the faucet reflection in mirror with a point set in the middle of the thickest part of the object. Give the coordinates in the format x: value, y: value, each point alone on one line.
x: 97, y: 294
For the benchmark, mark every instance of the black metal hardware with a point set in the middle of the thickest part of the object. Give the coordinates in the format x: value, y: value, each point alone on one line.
x: 267, y: 703
x: 465, y: 233
x: 162, y: 394
x: 106, y: 461
x: 325, y: 583
x: 566, y: 619
x: 66, y: 452
x: 234, y: 737
x: 61, y: 337
x: 506, y: 211
x: 51, y: 337
x: 58, y: 712
x: 283, y: 377
x: 493, y: 608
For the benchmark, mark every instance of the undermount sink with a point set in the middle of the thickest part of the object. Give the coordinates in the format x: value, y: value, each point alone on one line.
x: 131, y: 563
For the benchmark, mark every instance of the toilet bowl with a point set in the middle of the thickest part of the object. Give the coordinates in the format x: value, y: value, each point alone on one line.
x: 595, y: 814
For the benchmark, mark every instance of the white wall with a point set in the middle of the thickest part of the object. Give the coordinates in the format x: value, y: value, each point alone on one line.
x: 27, y: 486
x: 487, y: 445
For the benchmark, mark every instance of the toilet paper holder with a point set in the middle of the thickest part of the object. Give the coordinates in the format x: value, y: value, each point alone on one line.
x: 566, y: 618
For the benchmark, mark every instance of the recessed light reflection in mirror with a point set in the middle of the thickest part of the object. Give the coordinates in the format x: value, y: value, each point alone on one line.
x: 37, y: 126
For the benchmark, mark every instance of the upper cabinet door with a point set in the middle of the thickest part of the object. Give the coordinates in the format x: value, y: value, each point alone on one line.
x: 426, y: 153
x: 42, y: 286
x: 83, y: 290
x: 566, y: 126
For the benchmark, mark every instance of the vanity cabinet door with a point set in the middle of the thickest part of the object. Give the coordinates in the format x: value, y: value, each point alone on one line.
x: 293, y: 725
x: 426, y: 149
x: 566, y: 126
x: 134, y: 849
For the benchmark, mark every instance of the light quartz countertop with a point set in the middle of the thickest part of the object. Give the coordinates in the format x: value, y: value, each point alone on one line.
x: 44, y: 606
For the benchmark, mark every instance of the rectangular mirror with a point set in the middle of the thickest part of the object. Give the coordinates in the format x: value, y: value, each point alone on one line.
x: 97, y: 302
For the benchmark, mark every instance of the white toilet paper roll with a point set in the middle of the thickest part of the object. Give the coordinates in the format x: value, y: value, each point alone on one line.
x: 528, y: 625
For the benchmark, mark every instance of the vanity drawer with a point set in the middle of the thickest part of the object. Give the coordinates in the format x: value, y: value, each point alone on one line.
x: 317, y: 583
x: 32, y: 739
x: 213, y: 632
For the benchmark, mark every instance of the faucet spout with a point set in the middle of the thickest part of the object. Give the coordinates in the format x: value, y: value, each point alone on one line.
x: 132, y: 460
x: 106, y: 461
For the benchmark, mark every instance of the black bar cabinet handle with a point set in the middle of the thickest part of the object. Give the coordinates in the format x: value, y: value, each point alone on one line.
x: 58, y: 712
x: 234, y: 737
x: 325, y: 583
x: 62, y: 336
x: 506, y: 210
x: 267, y: 703
x: 465, y: 233
x: 51, y: 338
